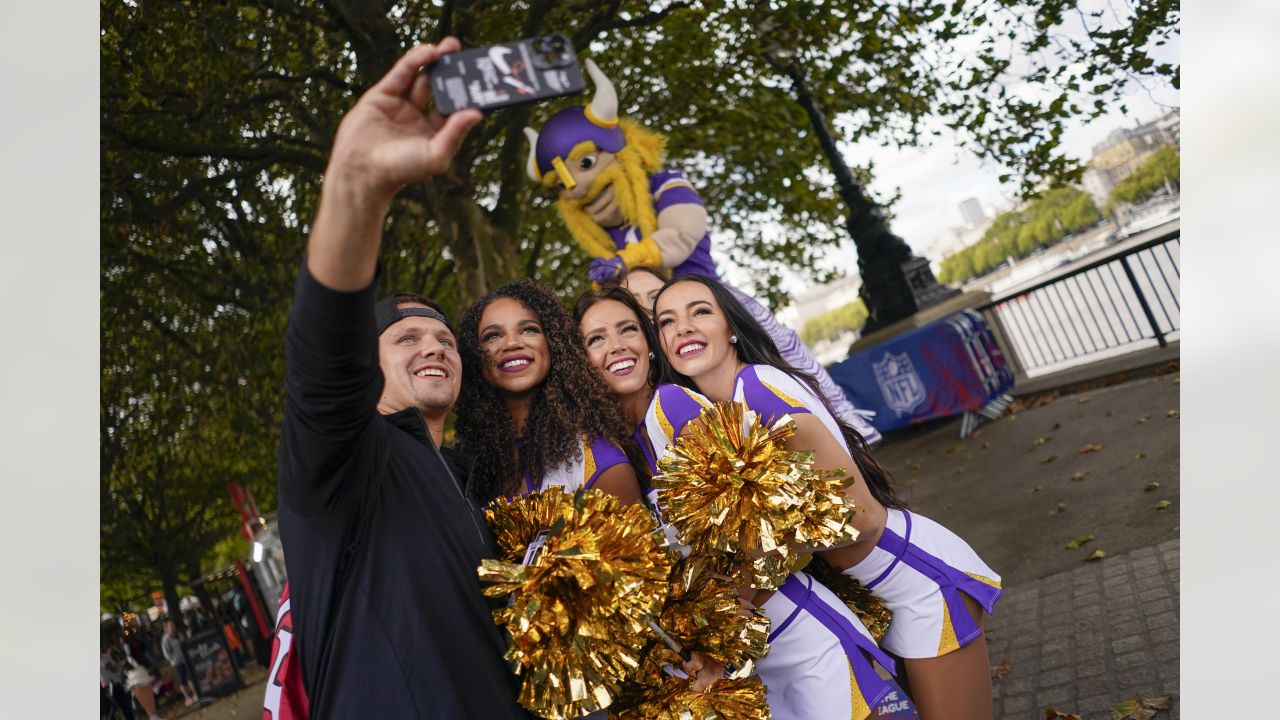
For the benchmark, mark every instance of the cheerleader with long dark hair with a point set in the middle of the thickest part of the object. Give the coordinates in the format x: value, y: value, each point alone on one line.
x: 935, y: 585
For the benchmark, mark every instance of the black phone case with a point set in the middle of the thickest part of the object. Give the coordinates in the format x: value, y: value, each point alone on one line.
x: 506, y: 74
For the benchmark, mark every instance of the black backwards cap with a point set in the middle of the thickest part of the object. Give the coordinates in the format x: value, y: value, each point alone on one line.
x: 387, y: 314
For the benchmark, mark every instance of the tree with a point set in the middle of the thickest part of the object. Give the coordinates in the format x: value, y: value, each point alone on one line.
x: 830, y: 324
x: 1045, y: 220
x: 217, y: 117
x: 1161, y: 170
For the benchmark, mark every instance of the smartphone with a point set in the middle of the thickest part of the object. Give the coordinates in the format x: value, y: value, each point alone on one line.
x: 506, y: 74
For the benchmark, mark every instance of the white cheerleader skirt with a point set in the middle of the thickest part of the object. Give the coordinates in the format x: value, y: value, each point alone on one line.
x: 821, y: 658
x: 919, y: 569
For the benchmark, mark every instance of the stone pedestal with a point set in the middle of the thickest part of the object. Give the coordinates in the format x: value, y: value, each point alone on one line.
x: 954, y: 304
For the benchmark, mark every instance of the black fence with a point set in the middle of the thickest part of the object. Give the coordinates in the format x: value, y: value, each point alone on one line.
x: 1119, y: 302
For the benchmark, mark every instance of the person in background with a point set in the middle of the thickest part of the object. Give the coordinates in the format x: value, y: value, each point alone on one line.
x: 644, y: 282
x: 111, y: 669
x: 171, y: 648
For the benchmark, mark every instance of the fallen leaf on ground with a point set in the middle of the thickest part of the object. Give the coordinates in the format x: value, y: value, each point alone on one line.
x: 1163, y: 505
x: 1035, y: 489
x: 1001, y: 671
x: 946, y: 507
x: 1051, y: 714
x: 1144, y: 418
x: 986, y: 445
x: 1048, y: 460
x: 1080, y: 475
x: 1096, y: 555
x: 1140, y: 708
x: 1057, y: 426
x: 1012, y: 417
x: 1177, y: 381
x: 1059, y: 508
x: 954, y: 449
x: 1172, y: 413
x: 1151, y: 486
x: 1139, y: 456
x: 976, y: 433
x: 1079, y: 541
x: 1083, y: 400
x: 959, y: 470
x: 1091, y: 448
x: 915, y: 466
x: 1040, y: 441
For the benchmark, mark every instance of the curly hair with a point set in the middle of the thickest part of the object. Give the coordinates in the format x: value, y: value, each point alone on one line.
x: 571, y: 402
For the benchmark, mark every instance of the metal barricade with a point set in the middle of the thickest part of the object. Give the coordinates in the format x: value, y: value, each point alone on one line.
x: 1120, y: 302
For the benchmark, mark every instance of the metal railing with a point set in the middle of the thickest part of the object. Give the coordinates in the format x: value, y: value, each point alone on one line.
x: 1107, y: 306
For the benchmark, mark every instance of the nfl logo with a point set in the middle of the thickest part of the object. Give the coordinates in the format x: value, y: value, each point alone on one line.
x: 899, y: 383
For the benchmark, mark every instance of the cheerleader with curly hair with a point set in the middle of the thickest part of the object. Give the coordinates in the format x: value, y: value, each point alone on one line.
x: 935, y: 585
x: 532, y: 411
x: 821, y: 659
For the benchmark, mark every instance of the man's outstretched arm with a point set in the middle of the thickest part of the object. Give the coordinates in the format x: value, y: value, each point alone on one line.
x: 383, y: 143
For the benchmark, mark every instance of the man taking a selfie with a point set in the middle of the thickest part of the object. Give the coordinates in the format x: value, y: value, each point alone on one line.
x: 380, y: 541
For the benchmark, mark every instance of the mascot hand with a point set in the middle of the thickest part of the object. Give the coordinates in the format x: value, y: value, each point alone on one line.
x: 606, y: 270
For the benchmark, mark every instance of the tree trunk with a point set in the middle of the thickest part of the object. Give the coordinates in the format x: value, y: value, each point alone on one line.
x: 484, y: 258
x: 171, y: 598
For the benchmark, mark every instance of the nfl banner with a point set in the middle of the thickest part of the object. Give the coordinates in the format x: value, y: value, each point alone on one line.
x: 945, y: 368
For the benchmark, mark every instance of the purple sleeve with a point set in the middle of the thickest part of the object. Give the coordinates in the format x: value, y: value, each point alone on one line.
x: 677, y: 406
x: 671, y: 187
x: 768, y: 402
x: 606, y: 455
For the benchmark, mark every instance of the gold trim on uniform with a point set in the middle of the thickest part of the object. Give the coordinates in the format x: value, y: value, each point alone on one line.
x: 983, y: 579
x: 948, y: 642
x: 861, y: 709
x: 781, y: 395
x: 588, y: 461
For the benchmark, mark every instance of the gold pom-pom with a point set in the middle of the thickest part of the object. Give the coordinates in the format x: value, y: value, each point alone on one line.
x: 703, y: 613
x: 579, y: 604
x: 729, y: 485
x: 673, y: 699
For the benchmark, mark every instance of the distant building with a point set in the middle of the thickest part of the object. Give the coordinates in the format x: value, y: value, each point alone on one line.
x: 1127, y: 148
x: 972, y: 212
x: 1097, y: 183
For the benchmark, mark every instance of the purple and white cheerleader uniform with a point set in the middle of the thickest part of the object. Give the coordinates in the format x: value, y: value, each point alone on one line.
x: 821, y: 659
x: 918, y: 567
x: 598, y: 455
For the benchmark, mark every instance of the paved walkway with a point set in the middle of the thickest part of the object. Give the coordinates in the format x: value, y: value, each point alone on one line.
x: 1084, y: 640
x: 1079, y: 636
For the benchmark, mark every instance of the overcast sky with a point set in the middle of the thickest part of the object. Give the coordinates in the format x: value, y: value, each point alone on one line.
x: 934, y: 180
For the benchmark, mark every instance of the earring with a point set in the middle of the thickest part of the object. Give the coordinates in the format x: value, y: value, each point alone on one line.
x: 651, y: 355
x: 733, y: 339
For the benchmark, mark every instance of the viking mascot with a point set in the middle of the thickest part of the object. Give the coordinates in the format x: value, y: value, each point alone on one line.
x: 625, y: 209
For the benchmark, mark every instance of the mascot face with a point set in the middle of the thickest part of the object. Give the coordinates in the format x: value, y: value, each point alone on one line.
x: 599, y: 166
x: 596, y: 163
x: 595, y: 173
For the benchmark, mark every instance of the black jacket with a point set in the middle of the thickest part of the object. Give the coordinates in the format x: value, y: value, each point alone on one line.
x: 380, y: 543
